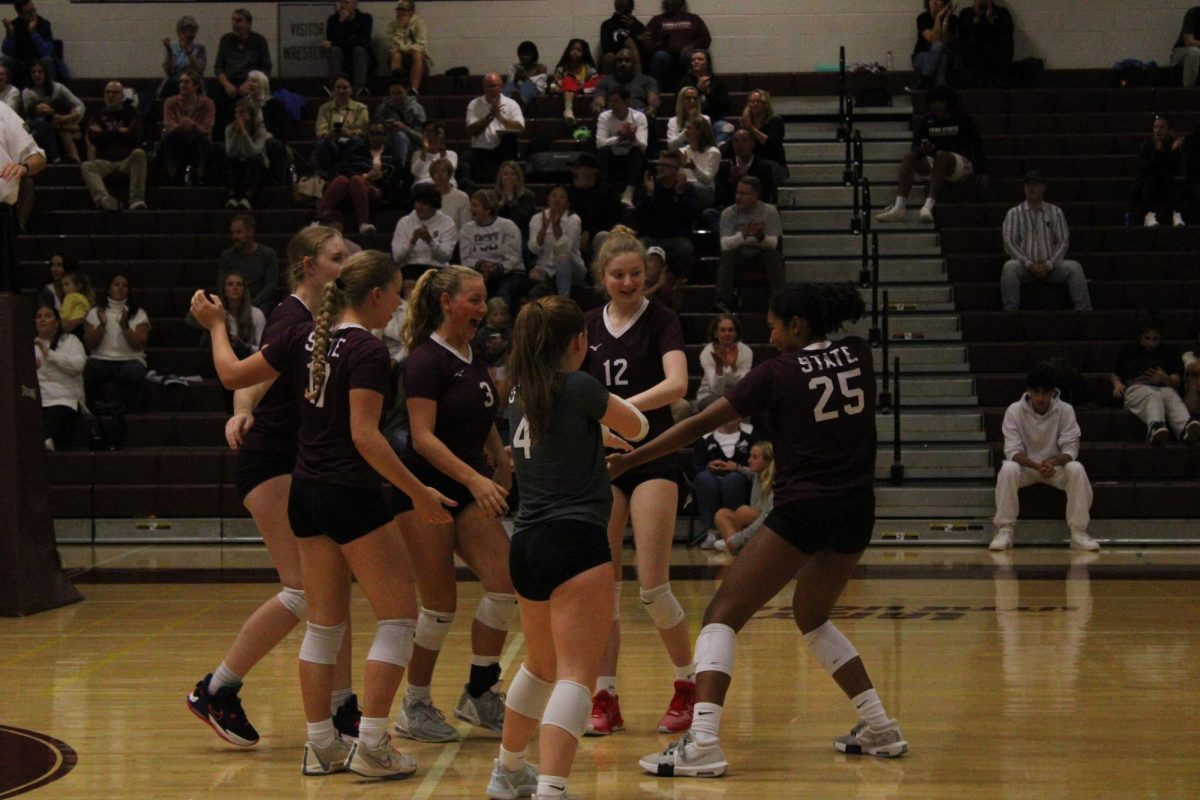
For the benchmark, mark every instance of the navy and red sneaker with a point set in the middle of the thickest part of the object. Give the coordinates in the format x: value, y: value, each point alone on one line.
x: 222, y: 711
x: 347, y: 718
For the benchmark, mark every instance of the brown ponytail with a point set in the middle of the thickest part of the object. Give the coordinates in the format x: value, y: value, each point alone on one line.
x: 541, y: 335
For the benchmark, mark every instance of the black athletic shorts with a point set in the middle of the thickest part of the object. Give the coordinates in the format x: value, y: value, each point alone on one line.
x: 343, y: 513
x: 430, y: 476
x: 842, y: 523
x: 259, y: 466
x: 545, y: 556
x: 661, y: 469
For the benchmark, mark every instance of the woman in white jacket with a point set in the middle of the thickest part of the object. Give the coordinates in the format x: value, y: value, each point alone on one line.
x: 554, y: 239
x: 725, y: 360
x: 60, y: 360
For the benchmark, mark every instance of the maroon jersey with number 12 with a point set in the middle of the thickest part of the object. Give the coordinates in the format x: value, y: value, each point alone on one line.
x: 821, y: 401
x: 277, y: 417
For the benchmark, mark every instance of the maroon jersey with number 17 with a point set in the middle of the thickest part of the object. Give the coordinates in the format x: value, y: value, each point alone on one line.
x: 821, y: 402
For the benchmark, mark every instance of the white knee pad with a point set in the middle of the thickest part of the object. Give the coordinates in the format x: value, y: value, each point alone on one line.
x: 715, y: 648
x: 432, y: 627
x: 294, y: 601
x: 497, y: 610
x: 528, y: 694
x: 829, y: 647
x: 321, y: 643
x: 616, y: 601
x: 662, y: 606
x: 393, y: 641
x: 568, y: 708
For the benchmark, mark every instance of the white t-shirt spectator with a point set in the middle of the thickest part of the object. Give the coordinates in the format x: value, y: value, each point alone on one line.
x: 252, y: 337
x: 556, y: 250
x: 499, y: 242
x: 419, y: 166
x: 442, y: 231
x: 457, y: 206
x: 60, y: 373
x: 16, y: 145
x: 489, y: 137
x: 607, y: 126
x: 676, y: 137
x: 704, y: 165
x: 114, y: 346
x: 716, y: 382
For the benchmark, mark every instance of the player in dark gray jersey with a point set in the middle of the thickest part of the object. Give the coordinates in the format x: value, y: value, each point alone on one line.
x: 343, y: 527
x: 820, y: 397
x: 559, y: 560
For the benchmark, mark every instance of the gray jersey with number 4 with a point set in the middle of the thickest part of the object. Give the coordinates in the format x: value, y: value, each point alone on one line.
x: 564, y: 477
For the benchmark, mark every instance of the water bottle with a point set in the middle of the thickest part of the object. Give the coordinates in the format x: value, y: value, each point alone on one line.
x: 187, y: 175
x: 292, y: 176
x: 891, y: 61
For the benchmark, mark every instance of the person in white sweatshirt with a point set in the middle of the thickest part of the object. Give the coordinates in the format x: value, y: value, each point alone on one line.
x: 60, y: 360
x: 426, y: 237
x: 1041, y: 445
x: 492, y: 245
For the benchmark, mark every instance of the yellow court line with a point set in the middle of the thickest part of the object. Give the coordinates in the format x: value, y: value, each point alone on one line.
x: 427, y: 787
x: 58, y: 760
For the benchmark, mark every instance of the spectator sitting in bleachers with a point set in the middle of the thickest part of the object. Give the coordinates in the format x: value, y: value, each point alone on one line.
x: 528, y: 78
x: 576, y: 73
x: 426, y: 237
x: 1148, y: 376
x: 60, y: 360
x: 725, y: 360
x: 666, y: 213
x: 669, y: 40
x: 937, y: 28
x: 245, y: 155
x: 409, y: 46
x: 53, y: 113
x: 687, y: 108
x: 403, y: 118
x: 182, y: 56
x: 736, y: 526
x: 255, y: 262
x: 10, y: 94
x: 516, y: 201
x: 492, y: 246
x: 616, y: 32
x: 188, y: 119
x: 433, y: 147
x: 493, y: 123
x: 455, y: 202
x: 274, y: 117
x: 985, y: 42
x: 699, y: 160
x: 114, y: 146
x: 116, y: 331
x: 1041, y: 445
x: 643, y: 90
x: 348, y: 41
x: 334, y: 219
x: 718, y: 460
x: 744, y: 163
x: 598, y: 206
x: 494, y: 337
x: 662, y: 286
x: 1159, y: 164
x: 1036, y: 239
x: 621, y: 140
x: 28, y: 40
x: 760, y: 119
x: 78, y: 297
x: 52, y: 293
x: 1191, y: 380
x: 238, y: 53
x: 341, y: 123
x: 365, y: 174
x: 750, y: 237
x: 554, y: 239
x: 946, y: 146
x: 243, y: 320
x: 714, y: 95
x: 1187, y: 47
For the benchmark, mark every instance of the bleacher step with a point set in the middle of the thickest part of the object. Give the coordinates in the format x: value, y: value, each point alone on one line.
x: 973, y: 500
x: 849, y: 244
x: 826, y: 130
x: 915, y: 326
x: 933, y: 426
x: 896, y: 270
x: 891, y: 151
x: 940, y: 358
x: 809, y: 172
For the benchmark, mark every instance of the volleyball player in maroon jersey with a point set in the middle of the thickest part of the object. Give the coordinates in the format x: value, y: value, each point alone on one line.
x: 263, y: 431
x: 339, y: 375
x: 635, y: 348
x: 453, y: 446
x: 820, y: 398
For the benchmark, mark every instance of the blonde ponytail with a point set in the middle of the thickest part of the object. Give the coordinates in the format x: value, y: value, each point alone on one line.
x: 425, y: 302
x: 305, y: 244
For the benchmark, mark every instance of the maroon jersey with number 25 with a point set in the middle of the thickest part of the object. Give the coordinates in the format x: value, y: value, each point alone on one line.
x: 821, y: 401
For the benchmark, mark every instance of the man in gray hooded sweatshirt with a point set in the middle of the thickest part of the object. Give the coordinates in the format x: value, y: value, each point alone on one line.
x: 1041, y: 445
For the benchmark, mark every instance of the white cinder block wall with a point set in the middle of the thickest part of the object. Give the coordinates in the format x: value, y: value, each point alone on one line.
x: 123, y: 39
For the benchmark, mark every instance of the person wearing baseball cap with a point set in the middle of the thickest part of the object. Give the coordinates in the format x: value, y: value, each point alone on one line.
x: 1036, y: 240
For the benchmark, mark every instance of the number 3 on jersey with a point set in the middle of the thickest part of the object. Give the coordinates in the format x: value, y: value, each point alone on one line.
x: 614, y: 372
x: 489, y: 399
x: 856, y: 399
x: 521, y: 440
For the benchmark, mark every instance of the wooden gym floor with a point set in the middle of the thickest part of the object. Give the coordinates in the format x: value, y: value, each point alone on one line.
x: 1040, y: 674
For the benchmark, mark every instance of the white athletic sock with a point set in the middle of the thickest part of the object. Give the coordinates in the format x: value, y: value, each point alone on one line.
x: 706, y: 723
x: 417, y: 694
x: 223, y: 676
x: 321, y: 733
x: 371, y: 731
x: 551, y: 787
x: 337, y: 697
x: 483, y: 661
x: 513, y: 761
x: 901, y: 201
x: 929, y: 204
x: 869, y: 708
x: 686, y: 673
x: 607, y: 683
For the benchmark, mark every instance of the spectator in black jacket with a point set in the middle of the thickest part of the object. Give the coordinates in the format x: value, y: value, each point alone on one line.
x: 985, y: 42
x: 946, y: 146
x: 596, y: 203
x: 114, y: 145
x: 238, y: 53
x: 714, y: 94
x: 666, y: 211
x: 348, y: 39
x: 29, y: 40
x: 1159, y: 160
x: 744, y: 164
x: 615, y: 31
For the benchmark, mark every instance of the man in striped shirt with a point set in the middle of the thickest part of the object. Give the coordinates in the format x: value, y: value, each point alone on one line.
x: 1036, y: 240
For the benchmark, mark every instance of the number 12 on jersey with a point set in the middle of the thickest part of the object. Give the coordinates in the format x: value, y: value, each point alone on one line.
x: 855, y: 399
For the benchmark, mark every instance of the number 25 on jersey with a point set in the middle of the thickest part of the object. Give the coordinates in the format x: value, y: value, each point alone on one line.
x: 852, y: 401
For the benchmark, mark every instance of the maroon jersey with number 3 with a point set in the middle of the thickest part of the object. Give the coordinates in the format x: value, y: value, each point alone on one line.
x: 628, y: 361
x: 821, y: 401
x: 277, y: 417
x: 354, y: 360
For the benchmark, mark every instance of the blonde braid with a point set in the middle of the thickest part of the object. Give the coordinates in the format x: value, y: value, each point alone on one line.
x: 330, y: 307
